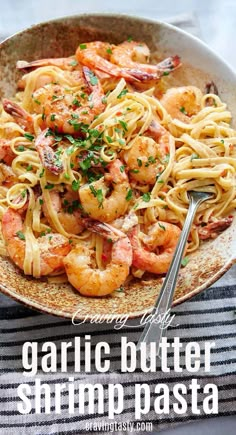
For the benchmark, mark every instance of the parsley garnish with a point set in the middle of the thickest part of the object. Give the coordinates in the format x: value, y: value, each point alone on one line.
x: 162, y: 226
x: 21, y: 148
x: 129, y: 195
x: 75, y: 185
x: 82, y: 46
x: 49, y: 186
x: 194, y: 156
x: 146, y: 197
x: 29, y: 168
x: 139, y: 162
x: 53, y: 116
x: 184, y: 261
x: 109, y: 50
x: 122, y: 93
x: 182, y: 109
x: 123, y: 125
x: 29, y: 136
x: 20, y: 235
x: 122, y: 168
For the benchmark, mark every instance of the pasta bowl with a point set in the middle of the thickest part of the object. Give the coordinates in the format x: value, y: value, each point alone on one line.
x: 59, y: 38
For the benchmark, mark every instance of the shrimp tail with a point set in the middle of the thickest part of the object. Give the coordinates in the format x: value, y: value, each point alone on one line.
x: 48, y: 157
x: 169, y: 64
x: 103, y: 229
x: 141, y: 76
x: 214, y: 228
x: 19, y: 114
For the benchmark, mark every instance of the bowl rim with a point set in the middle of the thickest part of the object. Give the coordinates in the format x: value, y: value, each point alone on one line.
x: 232, y: 260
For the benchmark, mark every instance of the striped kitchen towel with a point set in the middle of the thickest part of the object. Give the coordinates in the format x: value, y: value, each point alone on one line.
x: 209, y: 316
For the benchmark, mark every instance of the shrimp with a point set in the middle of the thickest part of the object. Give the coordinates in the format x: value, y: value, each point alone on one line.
x: 53, y: 247
x: 20, y: 115
x: 96, y: 56
x: 147, y: 157
x: 90, y: 281
x: 212, y: 229
x: 66, y: 112
x: 48, y: 157
x: 71, y: 222
x: 182, y: 102
x: 93, y: 196
x: 6, y: 153
x: 65, y: 63
x: 161, y: 235
x: 135, y: 55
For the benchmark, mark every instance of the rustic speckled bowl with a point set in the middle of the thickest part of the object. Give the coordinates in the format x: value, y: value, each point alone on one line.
x: 60, y: 38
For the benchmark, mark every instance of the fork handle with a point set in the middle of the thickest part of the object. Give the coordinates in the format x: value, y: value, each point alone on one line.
x: 153, y: 332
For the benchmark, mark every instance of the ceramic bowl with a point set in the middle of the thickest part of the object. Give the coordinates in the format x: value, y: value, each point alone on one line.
x: 60, y: 38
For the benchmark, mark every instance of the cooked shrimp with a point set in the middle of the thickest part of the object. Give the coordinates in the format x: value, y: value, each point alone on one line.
x: 93, y: 196
x: 96, y: 55
x: 147, y: 157
x: 182, y: 102
x: 211, y: 230
x: 135, y: 56
x: 53, y: 247
x: 7, y: 176
x: 161, y: 235
x: 91, y: 281
x: 66, y: 112
x: 65, y: 63
x: 48, y: 157
x: 71, y: 222
x: 20, y: 115
x: 6, y: 153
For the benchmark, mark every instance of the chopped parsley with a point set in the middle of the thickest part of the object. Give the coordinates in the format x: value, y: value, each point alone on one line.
x: 29, y: 168
x: 29, y: 136
x: 182, y: 109
x: 162, y: 226
x: 76, y: 102
x: 146, y: 197
x: 130, y: 39
x: 21, y: 148
x: 75, y: 185
x: 40, y: 201
x: 165, y: 73
x: 122, y: 93
x: 123, y: 125
x: 82, y: 46
x: 20, y: 235
x: 129, y: 195
x: 184, y: 261
x: 109, y: 50
x: 93, y: 79
x: 37, y: 102
x: 194, y: 156
x: 53, y: 116
x: 139, y: 162
x: 122, y: 168
x: 49, y: 186
x: 109, y: 139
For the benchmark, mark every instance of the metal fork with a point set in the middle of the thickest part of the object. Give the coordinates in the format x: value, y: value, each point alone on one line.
x: 153, y: 331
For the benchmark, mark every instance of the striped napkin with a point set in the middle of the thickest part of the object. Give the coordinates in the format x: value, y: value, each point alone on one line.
x: 210, y: 316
